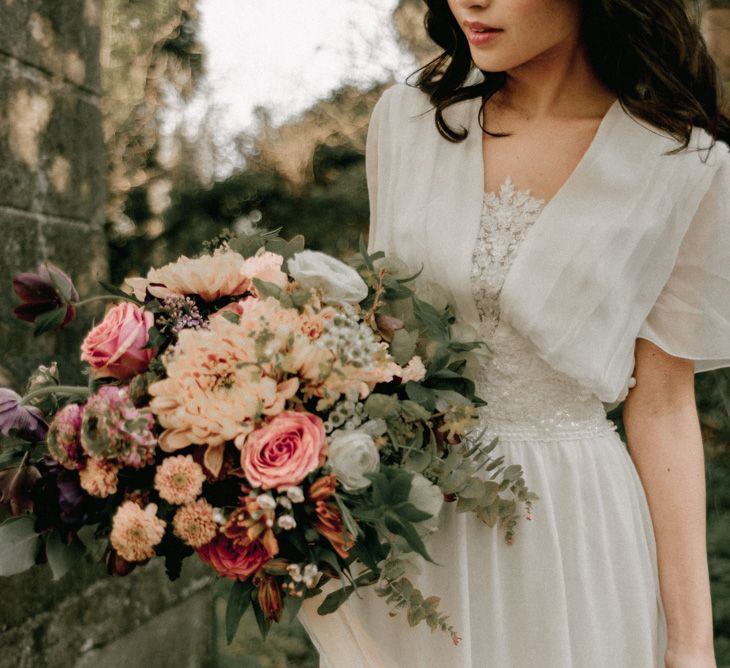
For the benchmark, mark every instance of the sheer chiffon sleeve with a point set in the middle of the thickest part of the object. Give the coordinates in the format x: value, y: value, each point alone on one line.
x: 375, y: 165
x: 691, y: 317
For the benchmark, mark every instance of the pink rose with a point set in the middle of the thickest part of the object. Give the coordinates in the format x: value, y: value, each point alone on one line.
x: 236, y: 562
x: 282, y: 452
x: 116, y: 347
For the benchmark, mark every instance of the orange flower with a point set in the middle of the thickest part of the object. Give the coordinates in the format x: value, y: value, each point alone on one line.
x: 329, y: 524
x: 270, y: 598
x: 322, y: 488
x: 252, y: 523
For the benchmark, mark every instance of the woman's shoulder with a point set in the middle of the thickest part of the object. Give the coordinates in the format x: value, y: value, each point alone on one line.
x: 400, y: 102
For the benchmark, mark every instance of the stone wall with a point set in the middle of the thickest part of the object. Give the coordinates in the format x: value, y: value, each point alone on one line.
x: 52, y: 207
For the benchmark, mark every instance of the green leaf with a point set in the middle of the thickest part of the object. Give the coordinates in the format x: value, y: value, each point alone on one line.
x: 231, y: 317
x: 433, y: 324
x: 62, y: 556
x: 49, y: 321
x: 439, y: 360
x: 410, y: 513
x: 362, y: 247
x: 267, y: 289
x: 421, y: 395
x: 19, y: 545
x: 381, y: 406
x: 400, y: 487
x: 239, y: 599
x: 155, y: 338
x: 264, y: 625
x: 118, y: 292
x: 335, y: 599
x: 407, y: 531
x: 292, y: 604
x: 286, y: 248
x: 512, y: 472
x: 403, y: 346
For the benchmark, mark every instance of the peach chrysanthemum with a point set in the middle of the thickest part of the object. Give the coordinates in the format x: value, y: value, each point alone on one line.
x: 218, y: 382
x: 210, y: 276
x: 414, y: 370
x: 136, y: 531
x: 194, y: 523
x: 99, y: 477
x: 179, y: 479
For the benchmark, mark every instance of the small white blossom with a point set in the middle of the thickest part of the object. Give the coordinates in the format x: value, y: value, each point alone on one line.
x: 295, y: 572
x: 295, y: 493
x: 310, y: 575
x: 266, y: 501
x: 285, y: 502
x: 286, y: 522
x: 218, y: 516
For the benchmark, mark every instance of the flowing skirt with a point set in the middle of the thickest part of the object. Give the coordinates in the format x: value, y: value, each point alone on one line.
x: 577, y: 588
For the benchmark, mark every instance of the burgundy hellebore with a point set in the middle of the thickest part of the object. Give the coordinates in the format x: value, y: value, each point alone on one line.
x: 47, y: 290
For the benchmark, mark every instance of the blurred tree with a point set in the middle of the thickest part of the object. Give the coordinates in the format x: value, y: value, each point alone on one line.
x: 150, y: 55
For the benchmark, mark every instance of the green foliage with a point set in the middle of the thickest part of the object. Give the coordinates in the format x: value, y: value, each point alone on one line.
x: 19, y: 545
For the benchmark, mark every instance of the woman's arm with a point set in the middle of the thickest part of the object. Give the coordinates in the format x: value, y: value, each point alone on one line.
x: 664, y: 440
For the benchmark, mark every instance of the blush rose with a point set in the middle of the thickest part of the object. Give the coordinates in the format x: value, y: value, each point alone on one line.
x: 282, y: 452
x: 116, y: 347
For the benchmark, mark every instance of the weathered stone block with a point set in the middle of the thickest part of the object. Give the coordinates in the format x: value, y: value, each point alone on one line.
x: 61, y: 38
x: 180, y: 638
x: 54, y: 623
x: 52, y: 144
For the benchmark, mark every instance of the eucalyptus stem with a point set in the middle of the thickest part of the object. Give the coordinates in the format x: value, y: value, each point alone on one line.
x: 61, y: 390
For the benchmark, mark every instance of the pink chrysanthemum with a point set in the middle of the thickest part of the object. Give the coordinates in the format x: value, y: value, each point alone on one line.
x: 99, y: 477
x: 179, y: 479
x: 63, y: 437
x: 194, y: 523
x: 136, y: 531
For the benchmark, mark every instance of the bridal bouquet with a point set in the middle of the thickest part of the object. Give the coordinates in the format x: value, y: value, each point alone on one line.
x: 286, y: 417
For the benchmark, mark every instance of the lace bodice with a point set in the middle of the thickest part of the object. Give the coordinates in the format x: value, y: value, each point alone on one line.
x: 525, y: 396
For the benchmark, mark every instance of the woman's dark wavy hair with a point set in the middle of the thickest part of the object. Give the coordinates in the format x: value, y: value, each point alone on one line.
x: 650, y: 53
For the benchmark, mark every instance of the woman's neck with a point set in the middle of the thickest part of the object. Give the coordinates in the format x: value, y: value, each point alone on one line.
x: 559, y: 82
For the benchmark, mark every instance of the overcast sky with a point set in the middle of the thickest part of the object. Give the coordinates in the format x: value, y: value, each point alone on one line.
x: 288, y: 53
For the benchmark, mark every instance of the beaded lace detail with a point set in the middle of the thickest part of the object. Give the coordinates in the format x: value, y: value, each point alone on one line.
x: 526, y: 398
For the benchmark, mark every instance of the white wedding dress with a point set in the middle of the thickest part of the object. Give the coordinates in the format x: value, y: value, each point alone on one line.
x: 578, y: 587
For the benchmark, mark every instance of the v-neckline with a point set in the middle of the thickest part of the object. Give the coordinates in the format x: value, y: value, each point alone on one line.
x: 582, y: 164
x: 612, y: 116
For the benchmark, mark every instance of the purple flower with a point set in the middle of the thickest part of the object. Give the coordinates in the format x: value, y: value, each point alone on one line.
x: 47, y: 290
x: 26, y: 420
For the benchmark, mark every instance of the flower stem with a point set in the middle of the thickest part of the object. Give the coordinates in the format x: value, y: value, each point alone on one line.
x: 104, y: 298
x: 60, y: 390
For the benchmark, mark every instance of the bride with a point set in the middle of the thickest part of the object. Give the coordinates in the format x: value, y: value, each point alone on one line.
x: 560, y: 170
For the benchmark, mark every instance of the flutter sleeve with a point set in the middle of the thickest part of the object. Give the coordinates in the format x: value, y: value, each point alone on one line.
x: 691, y: 317
x: 376, y: 147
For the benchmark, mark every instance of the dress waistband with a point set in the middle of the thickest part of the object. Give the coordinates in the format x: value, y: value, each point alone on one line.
x: 546, y: 430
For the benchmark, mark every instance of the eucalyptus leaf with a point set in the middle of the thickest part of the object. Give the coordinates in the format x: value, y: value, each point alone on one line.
x: 424, y: 396
x: 62, y: 556
x: 19, y: 545
x: 403, y: 346
x: 267, y: 289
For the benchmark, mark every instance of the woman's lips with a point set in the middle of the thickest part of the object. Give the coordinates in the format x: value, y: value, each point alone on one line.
x: 478, y: 38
